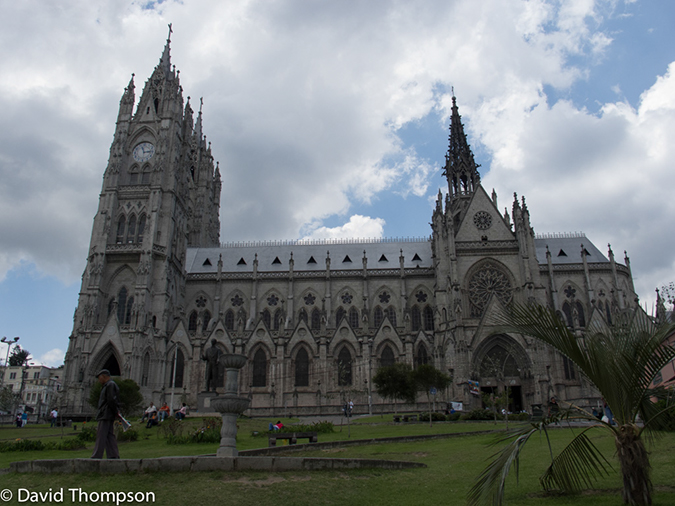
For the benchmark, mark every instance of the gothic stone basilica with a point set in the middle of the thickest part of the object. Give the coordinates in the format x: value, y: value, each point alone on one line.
x: 316, y: 319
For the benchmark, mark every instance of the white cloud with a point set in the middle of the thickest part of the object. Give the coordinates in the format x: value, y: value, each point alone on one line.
x: 52, y: 358
x: 361, y: 227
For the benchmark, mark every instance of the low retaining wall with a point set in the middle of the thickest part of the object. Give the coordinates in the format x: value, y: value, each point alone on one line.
x: 357, y: 442
x: 204, y: 463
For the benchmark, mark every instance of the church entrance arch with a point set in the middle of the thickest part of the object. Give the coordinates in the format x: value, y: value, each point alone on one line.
x: 501, y: 364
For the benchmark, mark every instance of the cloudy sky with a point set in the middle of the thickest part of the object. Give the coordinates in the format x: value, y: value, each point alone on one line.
x: 329, y: 119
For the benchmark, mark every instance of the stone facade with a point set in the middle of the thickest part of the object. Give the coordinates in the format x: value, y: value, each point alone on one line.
x: 316, y: 319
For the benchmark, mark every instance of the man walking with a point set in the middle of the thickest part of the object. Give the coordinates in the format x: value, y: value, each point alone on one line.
x: 54, y: 415
x: 108, y: 411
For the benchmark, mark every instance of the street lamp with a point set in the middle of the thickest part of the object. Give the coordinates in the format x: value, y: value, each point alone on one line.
x: 9, y: 343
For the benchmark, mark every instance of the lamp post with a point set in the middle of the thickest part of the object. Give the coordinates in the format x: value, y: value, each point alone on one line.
x: 9, y: 343
x: 173, y: 379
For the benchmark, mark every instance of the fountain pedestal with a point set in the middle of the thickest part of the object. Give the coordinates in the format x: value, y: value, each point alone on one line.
x: 230, y: 405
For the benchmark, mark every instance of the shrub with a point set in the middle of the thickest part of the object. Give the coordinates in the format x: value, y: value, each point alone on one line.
x: 26, y: 445
x: 478, y: 414
x: 435, y: 417
x: 209, y: 432
x: 129, y: 435
x: 519, y: 417
x: 453, y: 417
x: 170, y: 428
x: 87, y: 434
x: 319, y: 427
x: 71, y: 444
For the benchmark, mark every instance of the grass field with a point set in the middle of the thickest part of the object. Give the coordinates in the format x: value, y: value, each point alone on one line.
x: 452, y: 464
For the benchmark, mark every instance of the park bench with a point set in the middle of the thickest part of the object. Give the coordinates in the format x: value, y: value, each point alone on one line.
x: 292, y: 437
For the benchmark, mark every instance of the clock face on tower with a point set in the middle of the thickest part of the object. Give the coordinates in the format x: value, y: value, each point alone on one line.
x: 143, y: 152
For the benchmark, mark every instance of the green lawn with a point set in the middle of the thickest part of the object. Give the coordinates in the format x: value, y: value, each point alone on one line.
x: 452, y: 464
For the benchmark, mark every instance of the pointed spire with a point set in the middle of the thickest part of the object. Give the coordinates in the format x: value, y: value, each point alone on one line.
x: 198, y: 125
x: 460, y: 168
x: 165, y: 60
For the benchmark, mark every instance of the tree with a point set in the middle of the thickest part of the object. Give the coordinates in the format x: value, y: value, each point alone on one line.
x: 497, y: 402
x: 427, y: 376
x: 19, y: 356
x: 621, y: 361
x: 7, y: 399
x: 395, y: 382
x: 131, y: 398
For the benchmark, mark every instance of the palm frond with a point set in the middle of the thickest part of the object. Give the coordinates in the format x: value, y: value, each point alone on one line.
x: 576, y: 467
x: 489, y: 486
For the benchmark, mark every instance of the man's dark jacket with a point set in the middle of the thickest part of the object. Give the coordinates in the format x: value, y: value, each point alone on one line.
x: 108, y: 401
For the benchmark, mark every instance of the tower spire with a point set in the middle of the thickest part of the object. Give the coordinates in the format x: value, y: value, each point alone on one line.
x: 460, y: 168
x: 165, y: 60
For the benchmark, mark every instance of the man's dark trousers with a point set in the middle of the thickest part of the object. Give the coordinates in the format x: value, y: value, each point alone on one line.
x: 105, y: 440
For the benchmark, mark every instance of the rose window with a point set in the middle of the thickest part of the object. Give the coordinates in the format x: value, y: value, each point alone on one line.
x: 384, y: 298
x: 347, y: 298
x: 237, y: 300
x: 482, y: 220
x: 309, y: 299
x: 486, y: 282
x: 272, y: 300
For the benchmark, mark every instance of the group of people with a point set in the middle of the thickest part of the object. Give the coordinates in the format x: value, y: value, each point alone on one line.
x: 156, y: 416
x: 21, y: 419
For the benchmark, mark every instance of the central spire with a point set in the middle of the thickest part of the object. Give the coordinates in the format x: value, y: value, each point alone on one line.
x: 460, y: 168
x: 165, y: 60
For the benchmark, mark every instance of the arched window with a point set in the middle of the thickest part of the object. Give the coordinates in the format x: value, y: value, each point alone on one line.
x: 180, y: 367
x: 207, y: 320
x: 146, y: 370
x: 127, y: 315
x: 609, y: 313
x: 378, y: 316
x: 580, y: 311
x: 302, y: 315
x: 339, y: 315
x: 391, y: 314
x: 229, y: 319
x: 133, y: 175
x: 145, y: 176
x: 354, y: 317
x: 316, y: 319
x: 278, y: 319
x: 110, y: 306
x: 428, y: 318
x: 141, y: 229
x: 387, y: 357
x: 131, y: 230
x: 267, y: 318
x: 260, y: 368
x: 567, y: 310
x: 344, y: 367
x: 568, y: 368
x: 121, y: 226
x: 192, y: 322
x: 302, y: 368
x: 422, y: 356
x: 121, y: 305
x: 416, y: 318
x: 499, y: 362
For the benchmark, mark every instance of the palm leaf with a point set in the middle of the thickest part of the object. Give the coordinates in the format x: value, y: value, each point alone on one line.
x: 576, y: 467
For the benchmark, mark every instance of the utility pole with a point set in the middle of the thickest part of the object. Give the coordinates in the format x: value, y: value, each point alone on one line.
x: 9, y: 343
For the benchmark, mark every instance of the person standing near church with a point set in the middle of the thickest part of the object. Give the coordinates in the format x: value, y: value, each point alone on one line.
x: 108, y: 411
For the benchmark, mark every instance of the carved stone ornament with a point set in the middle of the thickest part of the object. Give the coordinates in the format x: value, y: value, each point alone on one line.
x: 482, y: 220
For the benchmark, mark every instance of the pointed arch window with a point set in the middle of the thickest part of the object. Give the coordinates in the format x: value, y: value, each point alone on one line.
x: 111, y: 304
x: 378, y: 316
x: 387, y: 357
x: 121, y: 226
x: 344, y: 367
x: 568, y: 368
x: 422, y: 356
x: 146, y: 370
x: 316, y: 319
x: 259, y: 368
x: 229, y: 319
x: 609, y: 313
x: 127, y: 316
x: 428, y: 318
x: 567, y: 310
x: 302, y: 315
x: 416, y: 318
x: 278, y: 319
x: 180, y: 368
x: 580, y: 311
x: 121, y: 305
x: 141, y: 229
x: 267, y: 318
x: 302, y: 368
x: 339, y: 315
x: 207, y: 320
x: 145, y: 176
x: 131, y: 229
x: 354, y: 317
x: 192, y: 322
x: 391, y: 314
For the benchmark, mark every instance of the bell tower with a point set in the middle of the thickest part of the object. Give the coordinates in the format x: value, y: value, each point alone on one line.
x: 160, y: 193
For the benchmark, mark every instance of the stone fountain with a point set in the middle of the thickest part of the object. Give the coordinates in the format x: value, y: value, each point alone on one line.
x: 230, y: 405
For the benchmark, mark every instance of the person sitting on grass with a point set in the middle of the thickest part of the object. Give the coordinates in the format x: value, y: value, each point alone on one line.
x: 151, y: 409
x: 164, y: 412
x: 276, y: 426
x: 152, y: 420
x: 180, y: 414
